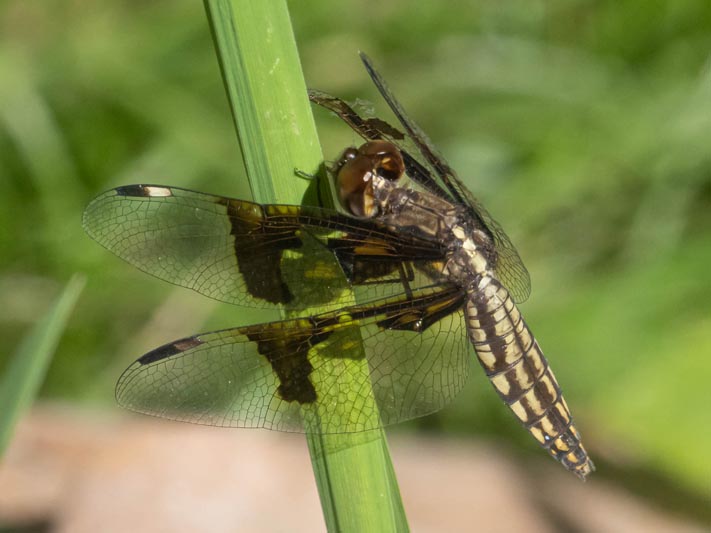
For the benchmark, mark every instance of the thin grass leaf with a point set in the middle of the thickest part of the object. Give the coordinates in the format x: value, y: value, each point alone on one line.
x: 29, y: 365
x: 265, y: 86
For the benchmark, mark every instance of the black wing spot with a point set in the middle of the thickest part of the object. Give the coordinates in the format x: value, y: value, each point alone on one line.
x: 169, y: 350
x: 145, y: 191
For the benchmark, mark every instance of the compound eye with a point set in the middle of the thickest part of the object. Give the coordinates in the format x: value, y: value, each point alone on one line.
x: 355, y: 187
x: 391, y: 167
x: 386, y: 157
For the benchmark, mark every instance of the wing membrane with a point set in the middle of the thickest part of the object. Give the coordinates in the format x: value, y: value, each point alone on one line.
x: 431, y: 171
x: 411, y: 352
x: 509, y: 267
x: 257, y: 255
x: 377, y: 129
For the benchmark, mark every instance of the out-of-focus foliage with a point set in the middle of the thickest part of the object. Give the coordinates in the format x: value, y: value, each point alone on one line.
x: 583, y: 126
x: 26, y: 370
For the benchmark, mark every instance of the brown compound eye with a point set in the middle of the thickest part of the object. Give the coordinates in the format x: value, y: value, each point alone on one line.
x: 355, y: 170
x: 355, y: 186
x: 386, y: 157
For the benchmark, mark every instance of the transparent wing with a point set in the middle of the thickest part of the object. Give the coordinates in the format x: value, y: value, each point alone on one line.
x: 431, y: 171
x: 376, y: 129
x: 509, y: 267
x: 352, y: 370
x: 258, y: 255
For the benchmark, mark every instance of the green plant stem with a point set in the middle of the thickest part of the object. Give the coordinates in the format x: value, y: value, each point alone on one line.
x: 267, y: 94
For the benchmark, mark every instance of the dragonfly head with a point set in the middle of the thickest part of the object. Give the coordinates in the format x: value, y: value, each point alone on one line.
x: 356, y: 169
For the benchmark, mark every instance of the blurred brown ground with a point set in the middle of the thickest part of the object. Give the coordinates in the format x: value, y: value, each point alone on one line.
x: 76, y: 471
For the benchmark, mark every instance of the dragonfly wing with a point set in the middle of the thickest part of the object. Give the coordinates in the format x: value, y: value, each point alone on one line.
x: 256, y: 255
x: 351, y: 370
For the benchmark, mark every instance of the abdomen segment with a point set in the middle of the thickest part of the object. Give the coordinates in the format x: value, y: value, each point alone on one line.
x: 516, y: 367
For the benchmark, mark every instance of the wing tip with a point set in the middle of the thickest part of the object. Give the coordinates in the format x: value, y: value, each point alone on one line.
x: 141, y: 190
x: 169, y: 350
x: 368, y: 63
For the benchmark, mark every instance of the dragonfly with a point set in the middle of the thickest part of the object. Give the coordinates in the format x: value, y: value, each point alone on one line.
x: 408, y: 275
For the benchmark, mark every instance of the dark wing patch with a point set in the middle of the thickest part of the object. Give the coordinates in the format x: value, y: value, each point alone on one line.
x: 286, y: 348
x: 257, y: 255
x: 259, y: 251
x: 355, y: 369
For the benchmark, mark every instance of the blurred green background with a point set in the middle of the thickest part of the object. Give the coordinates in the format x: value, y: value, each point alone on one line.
x: 583, y: 126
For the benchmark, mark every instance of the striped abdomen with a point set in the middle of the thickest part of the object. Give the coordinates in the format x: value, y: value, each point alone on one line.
x: 514, y: 363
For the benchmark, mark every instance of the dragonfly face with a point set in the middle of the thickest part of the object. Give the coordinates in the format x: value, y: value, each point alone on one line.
x: 432, y: 272
x: 356, y: 169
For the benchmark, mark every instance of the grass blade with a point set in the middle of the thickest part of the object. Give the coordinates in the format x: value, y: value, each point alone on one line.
x: 265, y: 86
x: 29, y: 365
